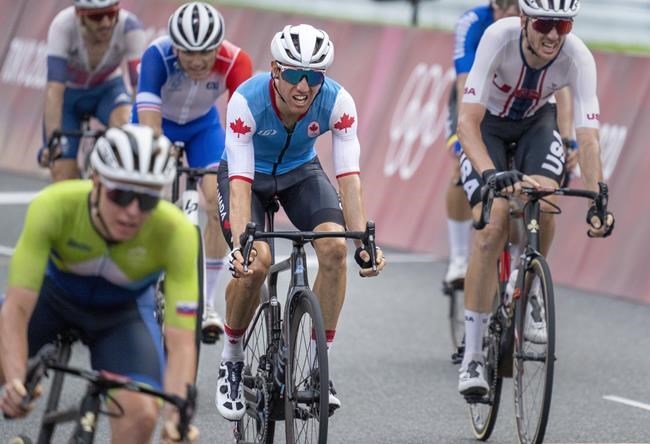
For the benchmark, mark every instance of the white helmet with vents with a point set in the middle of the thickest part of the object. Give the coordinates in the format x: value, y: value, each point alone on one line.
x: 95, y: 4
x: 196, y: 26
x: 559, y: 9
x: 132, y: 154
x: 303, y: 46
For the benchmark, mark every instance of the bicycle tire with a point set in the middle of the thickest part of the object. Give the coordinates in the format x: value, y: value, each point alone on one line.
x: 256, y: 375
x: 201, y: 299
x: 306, y: 407
x: 534, y: 361
x: 483, y: 413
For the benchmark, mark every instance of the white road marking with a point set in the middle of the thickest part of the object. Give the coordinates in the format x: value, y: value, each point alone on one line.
x: 17, y: 198
x: 626, y: 401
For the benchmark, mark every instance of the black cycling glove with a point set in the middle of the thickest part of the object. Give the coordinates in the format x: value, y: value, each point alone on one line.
x: 501, y: 179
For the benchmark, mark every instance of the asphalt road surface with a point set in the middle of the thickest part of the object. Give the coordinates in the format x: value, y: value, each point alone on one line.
x: 391, y: 361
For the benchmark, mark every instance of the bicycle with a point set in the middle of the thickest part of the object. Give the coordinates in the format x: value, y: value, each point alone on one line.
x: 283, y: 377
x: 84, y: 134
x: 508, y: 353
x: 455, y: 291
x: 55, y: 357
x: 188, y: 202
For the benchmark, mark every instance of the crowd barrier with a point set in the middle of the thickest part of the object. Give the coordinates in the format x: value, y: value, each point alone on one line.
x: 399, y: 78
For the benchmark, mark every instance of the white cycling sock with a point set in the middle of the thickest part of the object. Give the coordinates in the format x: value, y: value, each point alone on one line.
x: 213, y: 269
x: 459, y: 232
x: 475, y: 325
x: 329, y: 337
x: 233, y: 346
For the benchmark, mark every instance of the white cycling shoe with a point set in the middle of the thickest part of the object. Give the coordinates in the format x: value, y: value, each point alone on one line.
x: 456, y: 270
x: 212, y: 326
x: 230, y: 391
x: 471, y: 381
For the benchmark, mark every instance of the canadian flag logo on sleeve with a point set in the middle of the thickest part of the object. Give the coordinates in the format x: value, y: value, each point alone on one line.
x: 239, y: 127
x: 346, y: 121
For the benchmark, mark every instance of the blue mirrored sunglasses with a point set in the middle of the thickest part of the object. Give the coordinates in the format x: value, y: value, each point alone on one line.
x: 294, y: 76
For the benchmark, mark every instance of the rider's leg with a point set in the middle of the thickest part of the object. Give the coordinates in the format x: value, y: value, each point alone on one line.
x: 216, y: 247
x: 331, y: 279
x: 480, y: 288
x: 139, y: 421
x: 64, y: 169
x: 120, y: 115
x: 459, y: 226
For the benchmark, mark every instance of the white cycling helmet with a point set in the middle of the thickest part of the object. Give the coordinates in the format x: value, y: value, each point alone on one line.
x: 196, y: 26
x: 132, y: 154
x: 559, y: 9
x: 303, y: 46
x: 95, y: 4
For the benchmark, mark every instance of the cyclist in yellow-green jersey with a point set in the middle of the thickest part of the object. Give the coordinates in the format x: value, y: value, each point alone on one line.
x: 88, y: 258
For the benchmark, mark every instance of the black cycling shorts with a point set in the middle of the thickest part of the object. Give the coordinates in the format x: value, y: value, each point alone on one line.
x: 539, y: 148
x: 305, y: 193
x: 124, y: 339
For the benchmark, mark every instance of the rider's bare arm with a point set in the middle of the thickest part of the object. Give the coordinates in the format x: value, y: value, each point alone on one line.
x: 589, y: 157
x: 53, y: 104
x: 152, y: 119
x: 181, y: 361
x: 14, y: 317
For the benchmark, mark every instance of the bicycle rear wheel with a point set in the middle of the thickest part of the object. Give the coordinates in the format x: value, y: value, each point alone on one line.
x: 201, y: 298
x: 256, y: 426
x: 307, y: 378
x: 534, y: 358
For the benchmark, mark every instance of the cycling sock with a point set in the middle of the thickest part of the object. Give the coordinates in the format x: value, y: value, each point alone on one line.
x: 459, y: 232
x: 475, y: 325
x: 329, y: 337
x: 213, y: 269
x: 233, y: 346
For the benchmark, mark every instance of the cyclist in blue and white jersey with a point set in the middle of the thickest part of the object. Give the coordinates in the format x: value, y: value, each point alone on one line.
x: 520, y: 63
x: 181, y: 76
x: 273, y: 123
x: 87, y: 45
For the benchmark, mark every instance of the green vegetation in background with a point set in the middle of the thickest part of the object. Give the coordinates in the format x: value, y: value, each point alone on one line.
x: 632, y: 49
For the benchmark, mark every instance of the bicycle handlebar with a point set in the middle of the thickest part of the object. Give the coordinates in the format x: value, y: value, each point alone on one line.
x: 58, y: 134
x: 367, y: 237
x: 45, y: 360
x: 600, y: 199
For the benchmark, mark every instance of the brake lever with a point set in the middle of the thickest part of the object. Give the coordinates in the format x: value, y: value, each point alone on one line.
x: 246, y: 240
x: 369, y: 243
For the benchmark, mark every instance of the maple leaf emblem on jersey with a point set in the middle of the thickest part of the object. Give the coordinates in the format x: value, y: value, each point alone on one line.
x: 344, y: 122
x: 313, y: 127
x: 238, y: 127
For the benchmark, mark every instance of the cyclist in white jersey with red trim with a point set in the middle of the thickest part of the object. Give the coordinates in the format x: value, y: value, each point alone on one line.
x: 181, y: 76
x: 519, y: 64
x: 86, y: 46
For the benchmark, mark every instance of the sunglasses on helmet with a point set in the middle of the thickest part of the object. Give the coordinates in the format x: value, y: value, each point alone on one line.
x: 122, y: 197
x: 562, y: 26
x: 295, y: 76
x: 98, y: 15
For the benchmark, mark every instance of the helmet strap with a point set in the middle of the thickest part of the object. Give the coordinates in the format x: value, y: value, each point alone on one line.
x: 94, y: 208
x: 528, y: 45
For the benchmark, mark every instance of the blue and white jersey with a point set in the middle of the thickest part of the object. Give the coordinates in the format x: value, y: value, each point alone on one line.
x: 165, y: 87
x: 469, y: 29
x: 257, y: 140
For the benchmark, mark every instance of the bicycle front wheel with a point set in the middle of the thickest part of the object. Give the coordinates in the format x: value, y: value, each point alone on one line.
x: 534, y: 353
x: 306, y: 405
x: 256, y: 426
x: 483, y: 411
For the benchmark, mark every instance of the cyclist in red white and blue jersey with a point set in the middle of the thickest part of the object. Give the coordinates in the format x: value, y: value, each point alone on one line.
x: 467, y: 34
x: 273, y: 123
x: 181, y: 76
x: 87, y: 45
x: 519, y: 65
